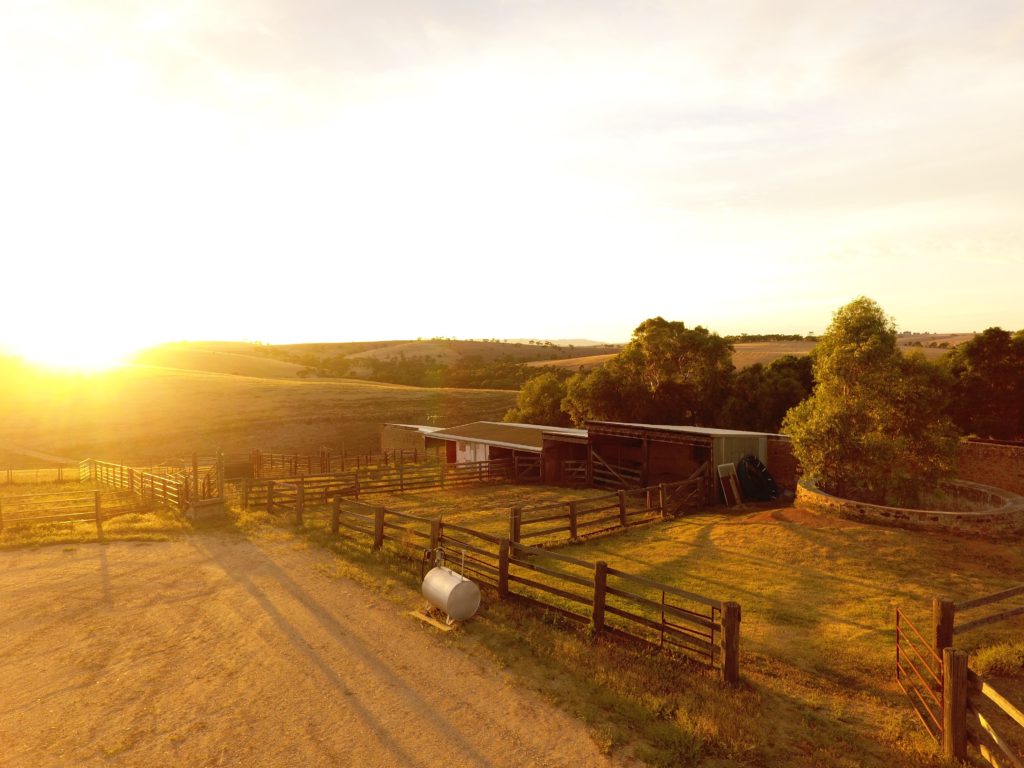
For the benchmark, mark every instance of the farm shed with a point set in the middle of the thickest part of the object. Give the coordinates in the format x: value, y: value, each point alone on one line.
x: 625, y: 454
x: 405, y: 437
x: 488, y: 440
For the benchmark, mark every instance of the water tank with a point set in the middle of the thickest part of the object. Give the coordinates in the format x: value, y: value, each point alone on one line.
x: 451, y: 592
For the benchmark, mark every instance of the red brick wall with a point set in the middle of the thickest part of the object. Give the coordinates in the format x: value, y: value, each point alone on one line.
x: 998, y: 465
x: 781, y: 462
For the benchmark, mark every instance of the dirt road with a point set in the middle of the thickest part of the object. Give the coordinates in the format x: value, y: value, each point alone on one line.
x: 218, y: 650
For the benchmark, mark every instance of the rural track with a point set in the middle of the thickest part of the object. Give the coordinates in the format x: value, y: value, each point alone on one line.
x: 216, y: 649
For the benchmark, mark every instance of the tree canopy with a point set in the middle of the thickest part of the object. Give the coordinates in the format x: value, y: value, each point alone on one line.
x: 988, y: 384
x: 874, y: 429
x: 761, y: 395
x: 540, y: 402
x: 666, y: 374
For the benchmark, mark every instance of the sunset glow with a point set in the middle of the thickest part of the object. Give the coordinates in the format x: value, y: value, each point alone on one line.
x: 286, y: 173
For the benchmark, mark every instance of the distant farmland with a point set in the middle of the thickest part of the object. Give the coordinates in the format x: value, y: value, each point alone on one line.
x: 142, y: 414
x: 764, y: 352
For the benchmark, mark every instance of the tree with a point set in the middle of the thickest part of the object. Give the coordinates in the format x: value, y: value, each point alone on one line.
x: 874, y: 429
x: 762, y: 394
x: 540, y: 402
x: 667, y: 374
x: 988, y: 384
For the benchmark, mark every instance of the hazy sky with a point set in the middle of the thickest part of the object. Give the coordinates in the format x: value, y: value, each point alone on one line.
x: 292, y: 170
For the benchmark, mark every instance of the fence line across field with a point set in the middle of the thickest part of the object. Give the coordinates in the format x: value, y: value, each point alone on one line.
x: 610, y: 600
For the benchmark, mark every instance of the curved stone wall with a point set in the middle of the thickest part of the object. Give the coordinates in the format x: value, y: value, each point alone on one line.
x: 1005, y: 513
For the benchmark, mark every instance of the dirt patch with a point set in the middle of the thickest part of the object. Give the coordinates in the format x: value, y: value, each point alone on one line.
x: 218, y: 650
x: 800, y: 516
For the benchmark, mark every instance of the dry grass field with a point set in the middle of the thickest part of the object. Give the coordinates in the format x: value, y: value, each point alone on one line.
x: 818, y: 596
x: 227, y: 358
x: 747, y: 354
x: 146, y: 414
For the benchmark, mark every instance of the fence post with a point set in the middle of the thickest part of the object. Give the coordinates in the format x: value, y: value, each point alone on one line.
x: 515, y: 524
x: 943, y: 615
x: 401, y: 478
x: 220, y: 474
x: 600, y: 588
x: 572, y: 519
x: 954, y: 703
x: 99, y: 515
x: 435, y: 532
x: 730, y: 642
x: 502, y: 568
x: 300, y: 500
x: 661, y: 499
x: 336, y: 515
x: 622, y: 508
x: 270, y: 496
x: 378, y: 527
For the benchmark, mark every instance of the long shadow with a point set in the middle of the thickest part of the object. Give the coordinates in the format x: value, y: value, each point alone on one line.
x: 365, y: 654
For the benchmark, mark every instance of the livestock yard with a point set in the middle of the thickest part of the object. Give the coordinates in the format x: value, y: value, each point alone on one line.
x: 284, y: 637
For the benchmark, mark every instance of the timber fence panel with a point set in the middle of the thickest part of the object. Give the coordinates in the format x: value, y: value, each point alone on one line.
x: 562, y: 522
x: 994, y: 724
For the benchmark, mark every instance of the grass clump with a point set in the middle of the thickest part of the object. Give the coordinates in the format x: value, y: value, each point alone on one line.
x: 1002, y: 660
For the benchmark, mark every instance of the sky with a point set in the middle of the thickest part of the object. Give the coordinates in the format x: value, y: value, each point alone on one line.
x: 314, y: 170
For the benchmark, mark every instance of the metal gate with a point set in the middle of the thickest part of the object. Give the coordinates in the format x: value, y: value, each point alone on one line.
x: 919, y: 674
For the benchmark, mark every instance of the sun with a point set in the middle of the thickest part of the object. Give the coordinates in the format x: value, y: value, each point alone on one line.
x: 72, y: 353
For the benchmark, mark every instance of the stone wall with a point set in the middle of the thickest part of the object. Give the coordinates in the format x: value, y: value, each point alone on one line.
x: 992, y: 464
x: 1005, y: 515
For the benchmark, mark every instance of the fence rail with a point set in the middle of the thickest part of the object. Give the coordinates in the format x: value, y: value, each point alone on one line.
x: 978, y: 602
x: 266, y: 464
x: 58, y: 473
x: 568, y: 521
x: 613, y: 601
x: 319, y: 489
x: 65, y: 507
x: 983, y: 733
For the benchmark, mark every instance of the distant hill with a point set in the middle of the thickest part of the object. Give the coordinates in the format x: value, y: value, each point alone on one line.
x: 451, y: 362
x: 217, y: 358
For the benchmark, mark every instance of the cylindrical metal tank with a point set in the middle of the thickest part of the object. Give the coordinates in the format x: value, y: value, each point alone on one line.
x: 451, y: 592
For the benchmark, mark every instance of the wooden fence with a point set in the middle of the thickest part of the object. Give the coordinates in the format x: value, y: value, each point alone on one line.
x: 399, y: 479
x: 956, y: 705
x: 612, y: 601
x: 200, y: 484
x: 567, y: 521
x: 266, y: 464
x: 65, y: 507
x: 58, y: 473
x: 609, y: 474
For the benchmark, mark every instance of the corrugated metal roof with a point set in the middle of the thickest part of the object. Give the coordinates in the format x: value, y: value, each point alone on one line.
x: 524, y: 437
x: 418, y: 427
x: 704, y: 431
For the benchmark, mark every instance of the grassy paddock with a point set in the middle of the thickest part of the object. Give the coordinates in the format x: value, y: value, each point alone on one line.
x: 818, y: 597
x: 124, y: 520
